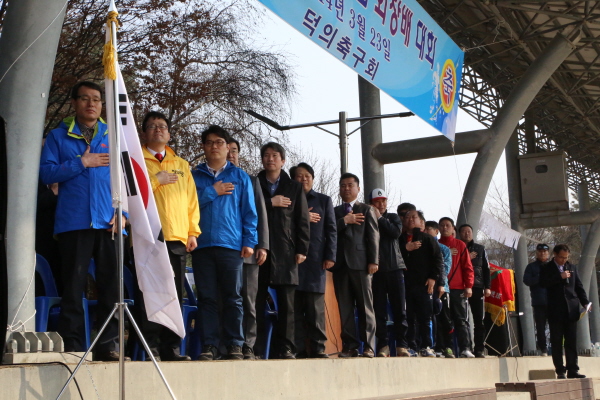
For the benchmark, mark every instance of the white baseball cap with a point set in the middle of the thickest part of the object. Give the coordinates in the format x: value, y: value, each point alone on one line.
x: 378, y: 194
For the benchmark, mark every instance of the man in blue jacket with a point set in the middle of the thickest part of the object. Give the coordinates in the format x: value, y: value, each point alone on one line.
x: 76, y: 156
x: 531, y: 277
x: 228, y: 226
x: 309, y: 302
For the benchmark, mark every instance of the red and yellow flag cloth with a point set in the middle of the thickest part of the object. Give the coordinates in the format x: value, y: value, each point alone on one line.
x: 503, y: 293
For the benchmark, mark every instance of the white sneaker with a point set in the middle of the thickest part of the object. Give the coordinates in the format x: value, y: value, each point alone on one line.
x: 466, y: 354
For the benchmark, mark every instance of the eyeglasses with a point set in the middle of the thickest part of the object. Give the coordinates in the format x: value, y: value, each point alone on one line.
x: 155, y: 127
x: 87, y: 99
x: 218, y: 143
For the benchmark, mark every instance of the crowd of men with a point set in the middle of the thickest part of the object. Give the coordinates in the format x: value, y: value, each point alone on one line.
x: 247, y: 234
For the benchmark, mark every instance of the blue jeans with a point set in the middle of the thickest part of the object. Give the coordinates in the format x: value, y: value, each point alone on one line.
x: 218, y: 271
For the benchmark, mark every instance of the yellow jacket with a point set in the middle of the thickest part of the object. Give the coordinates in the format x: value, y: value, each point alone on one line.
x: 177, y: 202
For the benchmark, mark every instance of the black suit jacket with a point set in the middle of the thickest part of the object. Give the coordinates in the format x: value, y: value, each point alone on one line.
x: 357, y: 245
x: 289, y: 229
x: 563, y: 298
x: 390, y: 228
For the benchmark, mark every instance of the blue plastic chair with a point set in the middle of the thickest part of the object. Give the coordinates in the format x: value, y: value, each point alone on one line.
x: 271, y: 315
x: 47, y: 308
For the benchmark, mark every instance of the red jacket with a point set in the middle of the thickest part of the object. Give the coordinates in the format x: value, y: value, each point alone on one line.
x: 461, y: 274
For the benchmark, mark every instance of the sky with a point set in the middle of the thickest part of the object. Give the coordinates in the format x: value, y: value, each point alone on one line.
x: 326, y: 86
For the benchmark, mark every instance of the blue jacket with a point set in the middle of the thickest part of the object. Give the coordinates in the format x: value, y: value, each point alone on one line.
x: 323, y: 244
x: 229, y: 220
x: 531, y: 277
x: 84, y: 199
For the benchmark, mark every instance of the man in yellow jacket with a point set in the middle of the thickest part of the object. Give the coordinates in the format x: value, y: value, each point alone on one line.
x: 177, y: 202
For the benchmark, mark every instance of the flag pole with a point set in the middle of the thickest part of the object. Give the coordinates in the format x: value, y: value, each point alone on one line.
x: 115, y: 164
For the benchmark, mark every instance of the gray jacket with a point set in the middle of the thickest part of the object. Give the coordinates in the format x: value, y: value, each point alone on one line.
x: 262, y: 229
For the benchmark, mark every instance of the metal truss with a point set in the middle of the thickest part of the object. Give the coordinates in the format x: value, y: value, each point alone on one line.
x: 501, y: 38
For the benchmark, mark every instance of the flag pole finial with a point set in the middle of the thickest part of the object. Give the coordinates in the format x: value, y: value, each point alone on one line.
x: 110, y: 52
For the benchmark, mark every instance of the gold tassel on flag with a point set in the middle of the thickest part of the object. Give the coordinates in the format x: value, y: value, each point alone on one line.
x: 110, y: 53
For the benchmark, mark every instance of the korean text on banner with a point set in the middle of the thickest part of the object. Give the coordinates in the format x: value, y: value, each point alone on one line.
x: 394, y: 44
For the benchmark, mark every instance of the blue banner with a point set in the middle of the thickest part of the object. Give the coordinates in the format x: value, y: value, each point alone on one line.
x: 394, y: 44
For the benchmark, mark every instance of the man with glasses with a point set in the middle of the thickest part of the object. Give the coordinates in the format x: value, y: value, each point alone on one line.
x: 177, y: 203
x: 76, y: 156
x: 531, y: 278
x: 228, y: 227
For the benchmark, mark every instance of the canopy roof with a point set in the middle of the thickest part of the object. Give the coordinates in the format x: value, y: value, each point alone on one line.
x: 501, y: 39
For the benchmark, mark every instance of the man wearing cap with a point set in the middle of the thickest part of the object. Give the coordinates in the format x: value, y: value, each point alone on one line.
x: 388, y: 282
x: 531, y: 278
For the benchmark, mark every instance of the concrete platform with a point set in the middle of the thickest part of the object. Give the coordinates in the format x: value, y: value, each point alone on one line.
x: 333, y: 379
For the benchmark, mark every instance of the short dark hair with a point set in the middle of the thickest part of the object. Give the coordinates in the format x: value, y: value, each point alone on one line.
x: 155, y: 115
x: 421, y: 215
x: 273, y: 146
x: 561, y: 247
x: 448, y: 219
x: 216, y: 130
x: 464, y: 226
x: 307, y: 167
x: 404, y: 208
x: 347, y: 175
x: 232, y: 140
x: 432, y: 224
x: 88, y: 84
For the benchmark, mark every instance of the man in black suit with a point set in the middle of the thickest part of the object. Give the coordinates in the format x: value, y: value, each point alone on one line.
x: 564, y: 293
x: 356, y: 261
x: 289, y: 238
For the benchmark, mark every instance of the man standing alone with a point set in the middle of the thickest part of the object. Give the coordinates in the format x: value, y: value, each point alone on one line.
x: 564, y: 294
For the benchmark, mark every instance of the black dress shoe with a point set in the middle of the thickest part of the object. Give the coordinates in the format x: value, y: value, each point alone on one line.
x: 575, y: 375
x: 174, y: 357
x: 108, y: 355
x: 320, y: 354
x: 248, y: 353
x: 349, y: 353
x: 561, y: 376
x: 287, y: 354
x: 301, y: 354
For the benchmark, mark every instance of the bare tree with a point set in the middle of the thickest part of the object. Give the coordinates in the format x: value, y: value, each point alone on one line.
x: 191, y: 59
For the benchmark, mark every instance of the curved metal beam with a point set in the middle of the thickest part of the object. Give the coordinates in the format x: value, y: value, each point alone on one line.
x: 430, y: 147
x: 504, y: 124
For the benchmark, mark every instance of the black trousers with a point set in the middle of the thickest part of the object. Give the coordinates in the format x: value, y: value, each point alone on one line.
x: 77, y: 249
x: 283, y: 333
x: 458, y: 310
x: 566, y: 330
x: 309, y: 311
x: 161, y: 339
x: 478, y: 311
x: 249, y: 292
x: 419, y: 310
x: 353, y: 289
x: 444, y: 327
x: 540, y: 316
x: 389, y: 286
